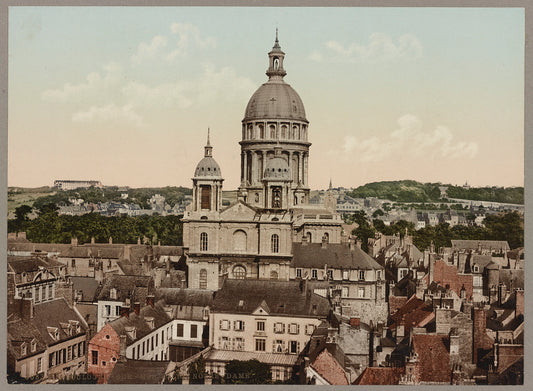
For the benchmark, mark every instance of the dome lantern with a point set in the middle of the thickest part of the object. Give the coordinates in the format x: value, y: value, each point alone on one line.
x: 275, y: 70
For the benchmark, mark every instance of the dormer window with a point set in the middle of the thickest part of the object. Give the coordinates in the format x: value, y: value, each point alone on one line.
x: 53, y: 332
x: 131, y: 332
x: 150, y: 321
x: 113, y: 294
x: 476, y: 269
x: 23, y: 348
x: 33, y: 345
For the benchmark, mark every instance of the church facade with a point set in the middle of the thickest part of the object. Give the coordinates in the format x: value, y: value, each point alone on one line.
x: 255, y: 238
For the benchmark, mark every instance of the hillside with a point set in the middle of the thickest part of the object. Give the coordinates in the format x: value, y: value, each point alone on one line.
x: 413, y: 191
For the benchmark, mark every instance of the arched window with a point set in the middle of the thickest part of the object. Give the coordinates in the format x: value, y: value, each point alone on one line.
x: 272, y: 131
x: 274, y: 243
x: 203, y: 279
x: 249, y: 136
x: 295, y: 133
x: 309, y: 237
x: 239, y: 272
x: 273, y: 275
x: 261, y: 131
x: 203, y: 242
x: 325, y: 237
x: 239, y: 240
x: 283, y: 132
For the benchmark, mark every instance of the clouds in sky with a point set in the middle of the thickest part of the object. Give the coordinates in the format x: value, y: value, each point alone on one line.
x: 408, y: 140
x: 380, y: 48
x: 118, y: 92
x: 183, y: 36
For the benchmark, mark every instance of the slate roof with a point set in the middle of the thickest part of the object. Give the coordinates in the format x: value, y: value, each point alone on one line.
x: 108, y: 251
x: 268, y: 358
x: 18, y: 331
x: 495, y: 245
x: 313, y: 255
x: 327, y: 367
x: 433, y: 358
x: 138, y: 372
x: 480, y: 260
x: 88, y: 286
x: 127, y: 285
x: 512, y: 278
x: 52, y: 314
x: 191, y: 297
x: 380, y: 376
x: 289, y: 298
x: 25, y: 264
x: 139, y: 322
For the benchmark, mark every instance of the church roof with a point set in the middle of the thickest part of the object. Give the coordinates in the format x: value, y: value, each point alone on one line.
x: 314, y: 255
x: 275, y: 100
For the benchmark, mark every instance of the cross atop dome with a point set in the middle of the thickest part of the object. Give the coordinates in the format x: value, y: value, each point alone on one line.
x: 275, y: 71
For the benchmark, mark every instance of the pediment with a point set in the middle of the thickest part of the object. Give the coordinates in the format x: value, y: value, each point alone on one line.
x: 238, y: 211
x: 262, y: 310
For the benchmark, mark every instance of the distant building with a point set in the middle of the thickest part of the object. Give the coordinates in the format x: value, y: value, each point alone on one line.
x: 66, y: 184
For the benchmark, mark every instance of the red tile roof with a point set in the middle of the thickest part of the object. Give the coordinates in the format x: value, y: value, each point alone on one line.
x: 445, y: 274
x: 380, y: 376
x: 327, y: 367
x: 395, y: 302
x: 414, y: 313
x: 433, y: 358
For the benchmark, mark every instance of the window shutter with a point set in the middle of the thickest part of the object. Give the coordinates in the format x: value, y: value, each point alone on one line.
x: 220, y: 324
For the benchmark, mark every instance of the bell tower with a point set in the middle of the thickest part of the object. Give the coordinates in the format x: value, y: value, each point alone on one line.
x: 207, y: 183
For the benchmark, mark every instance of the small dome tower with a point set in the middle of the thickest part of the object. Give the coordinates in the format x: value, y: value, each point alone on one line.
x: 207, y: 182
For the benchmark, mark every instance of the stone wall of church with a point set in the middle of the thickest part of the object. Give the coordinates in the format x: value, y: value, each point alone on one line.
x: 195, y: 276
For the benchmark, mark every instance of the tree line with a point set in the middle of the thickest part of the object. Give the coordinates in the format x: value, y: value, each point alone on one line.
x: 50, y: 227
x: 507, y: 226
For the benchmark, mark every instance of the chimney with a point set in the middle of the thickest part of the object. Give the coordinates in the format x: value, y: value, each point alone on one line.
x: 502, y: 293
x: 137, y: 308
x: 303, y: 285
x: 355, y: 322
x: 21, y: 235
x: 351, y: 244
x: 124, y: 310
x: 92, y: 240
x: 74, y: 241
x: 150, y: 300
x: 139, y: 241
x: 454, y: 342
x: 463, y: 292
x: 122, y: 348
x: 358, y: 243
x: 431, y: 268
x: 304, y: 240
x: 519, y: 302
x: 110, y: 240
x: 26, y: 308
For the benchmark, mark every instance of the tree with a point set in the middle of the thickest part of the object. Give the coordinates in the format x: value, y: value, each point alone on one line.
x: 247, y: 372
x: 22, y: 211
x: 197, y: 371
x: 377, y: 213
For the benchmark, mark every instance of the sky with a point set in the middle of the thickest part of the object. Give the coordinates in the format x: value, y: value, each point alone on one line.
x: 125, y: 95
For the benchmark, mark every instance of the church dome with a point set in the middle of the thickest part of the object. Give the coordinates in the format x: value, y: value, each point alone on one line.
x: 207, y: 167
x: 277, y: 168
x: 275, y: 100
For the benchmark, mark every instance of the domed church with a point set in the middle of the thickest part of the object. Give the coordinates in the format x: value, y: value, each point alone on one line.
x: 269, y: 232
